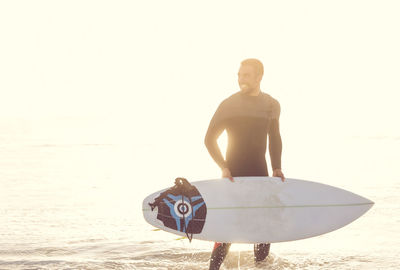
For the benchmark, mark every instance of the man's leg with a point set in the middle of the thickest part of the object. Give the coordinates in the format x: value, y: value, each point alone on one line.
x: 218, y: 255
x: 261, y: 251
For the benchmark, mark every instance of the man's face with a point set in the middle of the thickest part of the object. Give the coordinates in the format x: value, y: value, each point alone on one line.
x: 248, y: 79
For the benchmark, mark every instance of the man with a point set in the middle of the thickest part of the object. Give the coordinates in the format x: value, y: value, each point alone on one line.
x: 249, y: 118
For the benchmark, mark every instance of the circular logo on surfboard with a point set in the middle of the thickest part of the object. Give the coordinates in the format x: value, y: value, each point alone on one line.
x: 182, y: 209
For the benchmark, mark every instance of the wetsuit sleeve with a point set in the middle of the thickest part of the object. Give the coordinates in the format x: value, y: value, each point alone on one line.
x: 275, y: 140
x: 214, y: 131
x: 275, y: 145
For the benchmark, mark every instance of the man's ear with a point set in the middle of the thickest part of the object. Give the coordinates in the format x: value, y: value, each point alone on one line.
x: 259, y: 77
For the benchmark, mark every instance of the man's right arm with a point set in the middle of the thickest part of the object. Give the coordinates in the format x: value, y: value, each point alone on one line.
x: 213, y: 133
x: 211, y: 143
x: 215, y: 129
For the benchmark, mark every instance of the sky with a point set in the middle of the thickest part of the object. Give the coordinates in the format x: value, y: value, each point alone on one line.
x: 163, y: 66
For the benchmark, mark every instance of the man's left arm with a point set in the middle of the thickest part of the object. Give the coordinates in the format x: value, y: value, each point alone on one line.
x: 275, y: 148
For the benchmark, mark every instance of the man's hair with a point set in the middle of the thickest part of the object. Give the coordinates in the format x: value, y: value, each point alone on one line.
x: 258, y: 66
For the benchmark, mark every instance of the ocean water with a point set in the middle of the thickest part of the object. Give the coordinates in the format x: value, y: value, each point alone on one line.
x: 71, y: 199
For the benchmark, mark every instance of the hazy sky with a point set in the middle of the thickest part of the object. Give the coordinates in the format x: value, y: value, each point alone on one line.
x: 172, y: 62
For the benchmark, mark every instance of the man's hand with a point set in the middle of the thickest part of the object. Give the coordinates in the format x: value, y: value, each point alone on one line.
x: 226, y: 173
x: 279, y: 173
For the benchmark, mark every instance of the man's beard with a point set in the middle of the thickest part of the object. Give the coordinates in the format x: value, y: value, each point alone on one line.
x: 246, y: 89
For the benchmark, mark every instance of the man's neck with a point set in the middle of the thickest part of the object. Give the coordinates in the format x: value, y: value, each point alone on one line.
x: 255, y: 92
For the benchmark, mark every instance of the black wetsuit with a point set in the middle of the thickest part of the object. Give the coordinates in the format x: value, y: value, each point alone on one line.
x: 250, y: 121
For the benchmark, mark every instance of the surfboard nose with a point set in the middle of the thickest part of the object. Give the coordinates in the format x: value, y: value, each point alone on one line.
x: 364, y: 201
x: 369, y: 202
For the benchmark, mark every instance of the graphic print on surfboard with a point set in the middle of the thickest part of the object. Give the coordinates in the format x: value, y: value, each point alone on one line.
x: 181, y: 208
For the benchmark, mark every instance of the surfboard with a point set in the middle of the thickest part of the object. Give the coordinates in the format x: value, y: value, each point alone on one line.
x: 253, y: 209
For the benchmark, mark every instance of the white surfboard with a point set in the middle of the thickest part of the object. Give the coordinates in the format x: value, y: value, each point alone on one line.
x: 255, y: 210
